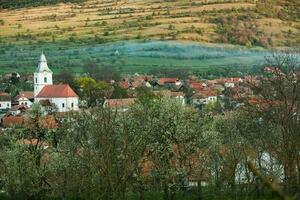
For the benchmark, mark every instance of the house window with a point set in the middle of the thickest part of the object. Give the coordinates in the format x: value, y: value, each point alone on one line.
x: 8, y: 105
x: 63, y: 105
x: 72, y: 105
x: 0, y: 105
x: 35, y: 80
x: 45, y: 80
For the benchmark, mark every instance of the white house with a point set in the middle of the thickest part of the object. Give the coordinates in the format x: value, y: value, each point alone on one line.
x: 204, y: 97
x: 25, y: 98
x: 5, y: 101
x: 62, y: 95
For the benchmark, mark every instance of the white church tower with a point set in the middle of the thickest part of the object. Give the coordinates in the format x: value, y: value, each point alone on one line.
x: 42, y: 75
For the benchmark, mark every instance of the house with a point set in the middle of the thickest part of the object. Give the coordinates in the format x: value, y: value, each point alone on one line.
x: 232, y: 82
x: 62, y: 95
x: 5, y: 101
x: 204, y: 97
x: 197, y: 86
x: 179, y: 96
x: 119, y: 104
x: 25, y: 98
x: 169, y: 82
x: 18, y: 109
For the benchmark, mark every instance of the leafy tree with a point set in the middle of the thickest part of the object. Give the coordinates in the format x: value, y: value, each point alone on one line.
x: 24, y: 159
x: 174, y: 138
x: 92, y: 91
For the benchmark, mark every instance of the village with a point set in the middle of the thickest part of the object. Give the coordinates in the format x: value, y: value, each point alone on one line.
x: 176, y: 115
x: 214, y: 96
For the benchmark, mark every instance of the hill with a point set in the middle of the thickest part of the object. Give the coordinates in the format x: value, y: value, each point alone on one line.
x: 267, y: 23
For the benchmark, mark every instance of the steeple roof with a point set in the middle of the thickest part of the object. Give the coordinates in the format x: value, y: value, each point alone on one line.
x: 42, y: 66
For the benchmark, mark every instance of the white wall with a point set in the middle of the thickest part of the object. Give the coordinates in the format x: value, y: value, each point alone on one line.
x: 39, y: 81
x: 5, y: 105
x: 24, y: 101
x: 63, y: 104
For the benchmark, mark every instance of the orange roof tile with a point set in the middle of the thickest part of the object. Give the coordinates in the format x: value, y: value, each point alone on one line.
x: 163, y: 81
x: 52, y: 91
x: 196, y: 86
x: 10, y: 121
x: 25, y: 94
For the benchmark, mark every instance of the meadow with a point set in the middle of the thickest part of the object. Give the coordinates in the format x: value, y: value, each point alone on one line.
x: 245, y: 22
x: 131, y: 56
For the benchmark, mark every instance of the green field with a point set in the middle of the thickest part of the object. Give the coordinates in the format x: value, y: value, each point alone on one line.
x: 131, y: 56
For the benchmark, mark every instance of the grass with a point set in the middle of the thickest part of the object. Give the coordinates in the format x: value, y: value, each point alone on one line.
x: 132, y: 57
x: 123, y: 20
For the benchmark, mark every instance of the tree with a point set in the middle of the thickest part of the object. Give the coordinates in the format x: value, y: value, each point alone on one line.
x: 103, y: 154
x: 174, y: 138
x: 93, y: 92
x: 24, y: 159
x: 276, y: 106
x: 65, y: 77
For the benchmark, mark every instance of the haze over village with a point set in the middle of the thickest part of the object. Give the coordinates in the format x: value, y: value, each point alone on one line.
x: 150, y: 100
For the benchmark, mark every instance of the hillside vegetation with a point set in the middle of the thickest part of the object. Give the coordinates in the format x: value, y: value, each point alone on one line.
x: 267, y: 23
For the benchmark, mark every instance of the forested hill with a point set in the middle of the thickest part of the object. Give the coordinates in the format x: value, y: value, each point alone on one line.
x: 267, y: 23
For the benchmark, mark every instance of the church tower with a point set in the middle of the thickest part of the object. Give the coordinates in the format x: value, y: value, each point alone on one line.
x: 42, y: 75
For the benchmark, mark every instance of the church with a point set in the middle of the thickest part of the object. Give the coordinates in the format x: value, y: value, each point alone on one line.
x: 62, y: 95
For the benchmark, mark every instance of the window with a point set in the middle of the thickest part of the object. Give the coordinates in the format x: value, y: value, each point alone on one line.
x: 8, y: 105
x: 63, y: 105
x: 35, y: 80
x: 45, y: 80
x: 72, y: 105
x: 0, y: 105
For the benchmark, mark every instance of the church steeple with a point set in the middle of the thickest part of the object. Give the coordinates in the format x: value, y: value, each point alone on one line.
x: 42, y: 75
x: 42, y: 65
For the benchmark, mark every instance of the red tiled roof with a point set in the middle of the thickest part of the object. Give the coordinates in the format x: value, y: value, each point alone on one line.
x: 207, y: 93
x: 25, y: 94
x: 50, y: 91
x: 119, y: 103
x: 196, y: 86
x: 163, y: 81
x: 10, y: 121
x: 4, y: 96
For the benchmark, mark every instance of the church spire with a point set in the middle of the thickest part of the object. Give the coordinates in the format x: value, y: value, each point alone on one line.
x: 42, y: 66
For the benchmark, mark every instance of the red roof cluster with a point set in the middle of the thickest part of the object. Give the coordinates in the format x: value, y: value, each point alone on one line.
x: 50, y: 91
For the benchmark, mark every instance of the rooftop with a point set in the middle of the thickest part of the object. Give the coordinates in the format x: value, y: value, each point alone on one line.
x: 58, y: 91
